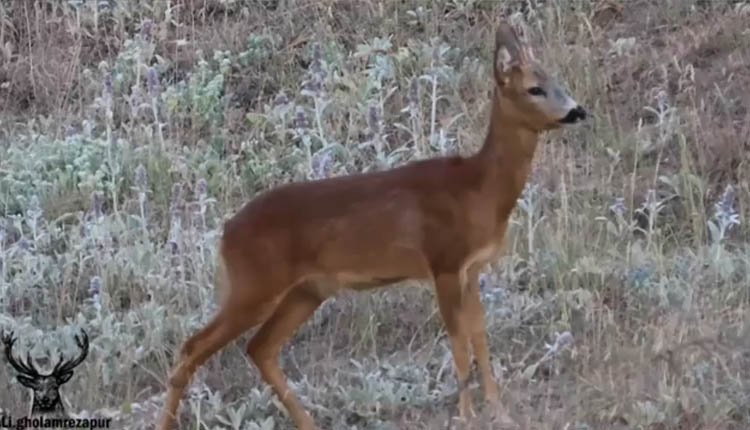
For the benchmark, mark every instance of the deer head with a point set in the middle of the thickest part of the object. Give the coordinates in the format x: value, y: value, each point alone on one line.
x: 46, y: 387
x: 526, y: 93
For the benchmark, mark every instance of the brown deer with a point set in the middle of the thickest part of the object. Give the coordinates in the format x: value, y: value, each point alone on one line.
x: 439, y: 220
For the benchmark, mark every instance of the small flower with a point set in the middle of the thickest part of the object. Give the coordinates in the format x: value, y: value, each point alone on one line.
x: 662, y: 101
x: 141, y: 177
x: 281, y: 99
x: 95, y: 289
x: 153, y: 82
x: 108, y: 86
x: 725, y: 207
x: 301, y: 123
x: 84, y: 230
x: 482, y: 282
x: 146, y: 27
x: 107, y: 95
x: 314, y: 85
x: 317, y: 57
x: 618, y: 207
x: 97, y: 202
x: 528, y: 199
x: 413, y: 94
x: 322, y: 163
x: 24, y: 245
x: 201, y: 189
x: 725, y: 215
x: 176, y: 192
x: 373, y: 120
x: 95, y: 286
x: 176, y: 202
x: 641, y: 276
x: 451, y: 136
x: 561, y: 341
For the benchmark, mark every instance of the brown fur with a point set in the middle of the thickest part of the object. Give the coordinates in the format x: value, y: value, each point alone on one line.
x: 439, y: 220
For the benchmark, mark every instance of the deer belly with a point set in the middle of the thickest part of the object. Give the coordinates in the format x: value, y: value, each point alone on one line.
x: 372, y: 267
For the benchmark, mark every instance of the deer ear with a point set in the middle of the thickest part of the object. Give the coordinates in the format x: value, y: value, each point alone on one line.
x: 27, y: 381
x: 509, y: 52
x: 63, y: 377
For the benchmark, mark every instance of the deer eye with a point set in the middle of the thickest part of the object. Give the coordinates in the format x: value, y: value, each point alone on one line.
x: 537, y: 91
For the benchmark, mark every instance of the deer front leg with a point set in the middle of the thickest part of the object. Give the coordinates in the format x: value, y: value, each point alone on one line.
x: 449, y: 294
x: 475, y: 313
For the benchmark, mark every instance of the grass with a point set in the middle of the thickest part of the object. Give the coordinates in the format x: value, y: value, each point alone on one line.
x: 130, y: 130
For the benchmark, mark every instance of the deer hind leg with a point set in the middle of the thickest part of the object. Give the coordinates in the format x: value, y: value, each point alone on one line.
x: 194, y: 352
x: 232, y: 320
x: 265, y: 346
x: 450, y: 300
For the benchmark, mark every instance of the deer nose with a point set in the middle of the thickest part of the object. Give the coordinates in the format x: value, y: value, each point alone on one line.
x: 576, y: 114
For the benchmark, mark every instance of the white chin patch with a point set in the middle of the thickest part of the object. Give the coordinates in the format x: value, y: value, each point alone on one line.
x: 570, y: 104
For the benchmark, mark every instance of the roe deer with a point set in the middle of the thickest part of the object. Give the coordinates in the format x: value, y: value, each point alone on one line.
x: 437, y: 220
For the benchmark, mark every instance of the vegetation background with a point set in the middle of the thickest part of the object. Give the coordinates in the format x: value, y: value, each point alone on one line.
x: 129, y: 130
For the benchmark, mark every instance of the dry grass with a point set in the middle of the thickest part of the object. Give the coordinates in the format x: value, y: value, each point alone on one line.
x: 129, y: 131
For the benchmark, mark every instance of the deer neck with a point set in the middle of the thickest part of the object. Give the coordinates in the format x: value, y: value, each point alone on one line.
x: 505, y: 158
